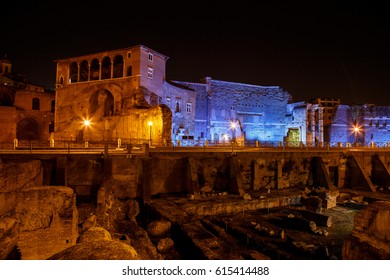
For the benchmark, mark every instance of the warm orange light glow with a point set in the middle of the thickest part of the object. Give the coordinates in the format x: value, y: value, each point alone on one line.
x: 150, y: 123
x: 87, y: 122
x: 356, y: 129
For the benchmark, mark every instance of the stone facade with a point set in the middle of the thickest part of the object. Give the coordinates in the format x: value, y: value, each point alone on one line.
x: 371, y: 123
x: 257, y: 112
x: 118, y: 92
x: 26, y: 109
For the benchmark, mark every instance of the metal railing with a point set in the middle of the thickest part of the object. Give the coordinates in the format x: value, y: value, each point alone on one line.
x: 134, y: 145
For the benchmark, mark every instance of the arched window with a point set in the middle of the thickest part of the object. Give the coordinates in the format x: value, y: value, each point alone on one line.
x: 36, y: 103
x: 118, y: 67
x: 84, y: 71
x: 129, y: 71
x: 106, y: 68
x: 74, y: 72
x: 61, y: 80
x: 53, y: 106
x: 177, y: 109
x: 94, y: 71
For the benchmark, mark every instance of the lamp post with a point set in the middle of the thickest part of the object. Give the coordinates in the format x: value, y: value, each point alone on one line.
x: 87, y: 123
x: 233, y: 127
x: 150, y: 124
x: 356, y: 131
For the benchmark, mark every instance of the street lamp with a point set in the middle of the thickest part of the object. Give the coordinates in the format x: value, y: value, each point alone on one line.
x: 233, y: 127
x: 87, y: 124
x: 150, y: 124
x: 356, y: 131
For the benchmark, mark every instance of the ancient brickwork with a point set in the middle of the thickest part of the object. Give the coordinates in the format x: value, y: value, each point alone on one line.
x: 258, y: 111
x: 370, y: 237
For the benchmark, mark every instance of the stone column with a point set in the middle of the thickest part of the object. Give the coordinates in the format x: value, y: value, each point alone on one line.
x: 313, y: 124
x: 320, y: 124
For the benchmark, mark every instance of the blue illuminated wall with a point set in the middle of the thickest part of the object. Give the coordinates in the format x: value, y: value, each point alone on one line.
x: 259, y: 111
x: 373, y: 123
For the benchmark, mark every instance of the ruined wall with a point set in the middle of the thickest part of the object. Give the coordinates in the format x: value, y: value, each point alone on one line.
x: 182, y: 103
x: 340, y: 130
x: 370, y: 237
x: 263, y: 170
x: 258, y: 110
x: 84, y: 175
x: 48, y: 221
x: 376, y: 124
x: 7, y: 124
x: 14, y: 178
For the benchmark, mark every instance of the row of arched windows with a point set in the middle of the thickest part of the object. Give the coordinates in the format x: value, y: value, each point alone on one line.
x: 96, y: 70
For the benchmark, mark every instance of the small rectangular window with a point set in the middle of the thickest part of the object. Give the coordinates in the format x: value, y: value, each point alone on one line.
x: 150, y: 56
x: 128, y: 54
x: 188, y: 107
x: 150, y: 73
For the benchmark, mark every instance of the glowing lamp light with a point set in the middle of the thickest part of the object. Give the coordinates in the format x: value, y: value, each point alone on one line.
x: 233, y: 125
x: 87, y: 122
x: 356, y: 129
x: 150, y: 123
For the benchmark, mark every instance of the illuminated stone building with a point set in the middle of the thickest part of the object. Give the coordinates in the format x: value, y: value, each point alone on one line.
x: 119, y: 92
x: 26, y: 109
x: 228, y: 111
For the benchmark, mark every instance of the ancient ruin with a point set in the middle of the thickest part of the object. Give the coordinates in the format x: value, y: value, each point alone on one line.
x: 123, y: 164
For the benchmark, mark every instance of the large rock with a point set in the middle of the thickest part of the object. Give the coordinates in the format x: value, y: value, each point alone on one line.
x: 111, y: 209
x: 96, y: 244
x: 370, y: 237
x: 48, y: 221
x: 165, y: 245
x: 159, y: 228
x: 9, y: 230
x: 14, y: 177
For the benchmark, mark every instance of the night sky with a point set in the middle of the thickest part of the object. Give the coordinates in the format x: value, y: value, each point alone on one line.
x: 336, y: 49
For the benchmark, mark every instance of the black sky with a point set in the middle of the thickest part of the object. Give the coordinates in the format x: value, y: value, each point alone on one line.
x: 312, y: 49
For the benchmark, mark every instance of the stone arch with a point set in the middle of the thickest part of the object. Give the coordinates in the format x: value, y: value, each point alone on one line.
x: 73, y: 72
x: 101, y: 104
x: 6, y: 100
x: 118, y: 67
x: 94, y: 70
x: 106, y: 68
x: 27, y: 129
x: 84, y: 69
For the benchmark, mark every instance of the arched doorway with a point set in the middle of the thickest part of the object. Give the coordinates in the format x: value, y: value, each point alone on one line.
x: 27, y: 129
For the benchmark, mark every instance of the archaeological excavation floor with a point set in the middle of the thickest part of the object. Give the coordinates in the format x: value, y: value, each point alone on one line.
x: 266, y: 226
